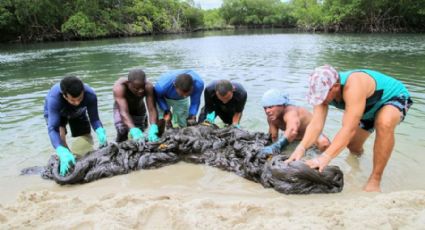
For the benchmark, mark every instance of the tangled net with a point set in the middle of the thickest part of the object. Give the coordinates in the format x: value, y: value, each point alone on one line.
x: 231, y: 149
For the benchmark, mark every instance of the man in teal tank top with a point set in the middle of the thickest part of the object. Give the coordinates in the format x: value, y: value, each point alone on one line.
x: 370, y: 100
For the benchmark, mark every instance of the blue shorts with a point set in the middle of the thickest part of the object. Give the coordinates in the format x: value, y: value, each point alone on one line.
x: 400, y: 102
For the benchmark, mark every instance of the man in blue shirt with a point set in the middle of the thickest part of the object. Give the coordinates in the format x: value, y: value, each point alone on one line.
x: 69, y: 102
x: 172, y: 92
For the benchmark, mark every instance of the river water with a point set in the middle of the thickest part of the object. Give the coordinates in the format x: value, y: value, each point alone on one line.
x: 258, y: 59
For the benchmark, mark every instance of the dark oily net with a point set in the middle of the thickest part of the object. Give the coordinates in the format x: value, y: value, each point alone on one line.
x: 229, y: 149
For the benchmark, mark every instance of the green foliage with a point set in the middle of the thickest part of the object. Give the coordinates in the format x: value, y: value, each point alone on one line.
x: 213, y: 19
x: 79, y: 24
x: 38, y: 20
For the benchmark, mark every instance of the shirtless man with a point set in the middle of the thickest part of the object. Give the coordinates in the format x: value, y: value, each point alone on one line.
x: 129, y: 107
x: 293, y: 120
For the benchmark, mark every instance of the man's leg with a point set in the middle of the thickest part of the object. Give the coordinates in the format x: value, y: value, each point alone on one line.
x: 386, y: 120
x: 180, y: 110
x: 356, y: 144
x: 322, y: 142
x: 80, y: 128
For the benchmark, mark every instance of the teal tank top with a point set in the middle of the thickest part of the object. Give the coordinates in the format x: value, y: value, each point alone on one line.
x: 386, y: 88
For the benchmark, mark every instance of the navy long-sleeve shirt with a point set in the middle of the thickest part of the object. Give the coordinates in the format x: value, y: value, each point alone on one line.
x: 164, y: 88
x: 55, y: 107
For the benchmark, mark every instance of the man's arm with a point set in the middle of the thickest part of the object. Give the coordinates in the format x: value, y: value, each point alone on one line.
x: 273, y: 130
x: 119, y: 97
x: 292, y: 124
x: 195, y: 99
x: 315, y: 127
x: 355, y: 100
x: 53, y: 121
x: 160, y: 99
x: 150, y: 102
x: 92, y: 110
x: 208, y: 99
x: 312, y: 132
x: 240, y: 107
x: 236, y: 118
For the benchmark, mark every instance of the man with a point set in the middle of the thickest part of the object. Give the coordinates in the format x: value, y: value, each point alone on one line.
x: 293, y: 120
x: 172, y: 93
x: 69, y: 102
x: 224, y: 99
x: 371, y: 100
x: 130, y: 110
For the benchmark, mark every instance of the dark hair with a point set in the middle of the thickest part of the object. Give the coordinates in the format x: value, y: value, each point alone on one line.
x: 223, y: 87
x: 136, y: 74
x: 71, y: 85
x: 184, y: 82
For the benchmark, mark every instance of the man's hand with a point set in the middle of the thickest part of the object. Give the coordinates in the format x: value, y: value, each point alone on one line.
x: 210, y: 117
x: 319, y: 162
x: 296, y: 154
x: 152, y: 134
x: 66, y: 158
x: 191, y: 121
x: 101, y: 136
x: 137, y: 134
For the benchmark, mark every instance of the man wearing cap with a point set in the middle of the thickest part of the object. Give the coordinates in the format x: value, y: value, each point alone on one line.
x: 292, y: 119
x: 224, y: 99
x: 172, y: 92
x: 130, y: 109
x: 370, y: 100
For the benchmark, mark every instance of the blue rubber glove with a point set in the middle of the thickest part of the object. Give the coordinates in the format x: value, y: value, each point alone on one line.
x: 275, y: 147
x: 152, y: 134
x: 210, y: 117
x: 65, y: 158
x: 136, y: 134
x: 101, y: 136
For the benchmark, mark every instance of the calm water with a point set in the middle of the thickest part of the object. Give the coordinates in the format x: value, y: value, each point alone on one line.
x: 259, y: 60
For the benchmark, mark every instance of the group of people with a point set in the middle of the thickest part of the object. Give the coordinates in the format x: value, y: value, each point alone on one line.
x: 371, y: 100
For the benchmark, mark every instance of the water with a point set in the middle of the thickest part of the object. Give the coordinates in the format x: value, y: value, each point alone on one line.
x: 260, y: 60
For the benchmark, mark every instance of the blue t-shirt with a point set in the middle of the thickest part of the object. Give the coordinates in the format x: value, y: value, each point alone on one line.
x: 164, y: 88
x: 55, y: 107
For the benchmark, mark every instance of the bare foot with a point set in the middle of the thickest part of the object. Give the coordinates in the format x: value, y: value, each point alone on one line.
x: 372, y: 185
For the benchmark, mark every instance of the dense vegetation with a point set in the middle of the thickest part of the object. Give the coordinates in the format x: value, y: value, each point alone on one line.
x: 40, y: 20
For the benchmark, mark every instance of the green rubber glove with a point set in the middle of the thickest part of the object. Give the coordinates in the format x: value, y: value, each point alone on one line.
x: 136, y: 134
x: 65, y: 158
x: 211, y: 117
x: 152, y: 134
x: 101, y: 136
x: 236, y: 126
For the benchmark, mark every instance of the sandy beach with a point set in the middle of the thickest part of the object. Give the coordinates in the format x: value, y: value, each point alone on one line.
x: 210, y: 199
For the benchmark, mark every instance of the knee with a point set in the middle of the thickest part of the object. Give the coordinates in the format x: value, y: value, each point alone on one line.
x: 323, y: 144
x: 384, y: 126
x: 355, y: 149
